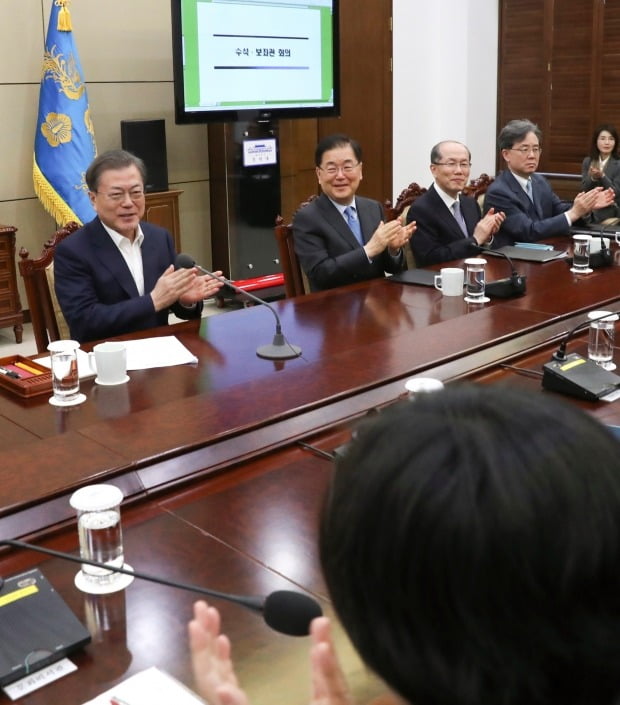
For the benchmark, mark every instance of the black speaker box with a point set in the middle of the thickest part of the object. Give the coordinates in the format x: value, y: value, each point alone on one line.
x: 147, y: 140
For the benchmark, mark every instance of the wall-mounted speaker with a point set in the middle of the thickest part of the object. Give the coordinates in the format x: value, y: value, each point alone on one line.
x: 147, y: 140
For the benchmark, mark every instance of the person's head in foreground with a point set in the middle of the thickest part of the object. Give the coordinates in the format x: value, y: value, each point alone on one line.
x: 471, y: 545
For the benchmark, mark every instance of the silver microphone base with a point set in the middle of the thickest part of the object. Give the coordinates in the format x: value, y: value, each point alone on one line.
x: 279, y: 349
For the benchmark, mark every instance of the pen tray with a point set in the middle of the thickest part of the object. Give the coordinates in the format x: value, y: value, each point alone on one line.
x: 27, y: 386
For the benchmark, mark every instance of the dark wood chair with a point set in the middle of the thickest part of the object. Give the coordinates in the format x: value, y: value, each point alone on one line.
x: 399, y: 210
x: 403, y: 202
x: 48, y: 323
x: 477, y: 188
x: 295, y: 282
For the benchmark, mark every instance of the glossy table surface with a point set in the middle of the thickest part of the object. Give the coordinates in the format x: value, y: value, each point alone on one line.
x: 360, y: 343
x: 219, y: 493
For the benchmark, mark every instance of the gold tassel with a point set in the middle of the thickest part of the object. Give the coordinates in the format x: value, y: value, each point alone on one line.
x: 50, y: 200
x: 64, y: 16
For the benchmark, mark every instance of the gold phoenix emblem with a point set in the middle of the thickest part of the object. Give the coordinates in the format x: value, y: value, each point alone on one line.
x: 56, y: 129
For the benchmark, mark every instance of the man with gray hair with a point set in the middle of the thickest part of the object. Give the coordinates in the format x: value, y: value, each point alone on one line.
x: 116, y: 274
x: 533, y: 211
x: 448, y: 223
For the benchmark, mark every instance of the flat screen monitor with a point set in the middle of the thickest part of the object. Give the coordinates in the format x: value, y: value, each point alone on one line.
x: 254, y: 59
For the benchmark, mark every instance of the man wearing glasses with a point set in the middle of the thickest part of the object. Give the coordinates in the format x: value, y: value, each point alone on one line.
x: 341, y: 238
x: 449, y: 223
x: 116, y: 274
x: 533, y: 210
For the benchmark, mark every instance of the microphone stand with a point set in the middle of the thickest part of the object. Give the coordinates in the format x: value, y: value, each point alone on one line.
x: 277, y: 609
x: 280, y: 348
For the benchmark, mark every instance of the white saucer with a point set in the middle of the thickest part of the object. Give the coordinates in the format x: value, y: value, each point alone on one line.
x: 119, y: 583
x: 479, y: 300
x: 112, y: 384
x: 581, y: 271
x: 73, y: 402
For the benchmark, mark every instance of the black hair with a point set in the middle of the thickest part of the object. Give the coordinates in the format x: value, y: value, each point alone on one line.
x: 470, y: 542
x: 333, y: 142
x: 594, y: 150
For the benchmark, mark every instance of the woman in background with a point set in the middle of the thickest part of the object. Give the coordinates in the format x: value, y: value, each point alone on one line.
x: 602, y: 168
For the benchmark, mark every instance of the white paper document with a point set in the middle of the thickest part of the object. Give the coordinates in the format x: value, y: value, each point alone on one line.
x: 149, y: 687
x: 163, y: 351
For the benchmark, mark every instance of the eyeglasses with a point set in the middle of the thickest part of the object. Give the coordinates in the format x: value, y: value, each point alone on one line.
x: 526, y: 150
x: 347, y: 168
x: 463, y: 166
x: 119, y: 196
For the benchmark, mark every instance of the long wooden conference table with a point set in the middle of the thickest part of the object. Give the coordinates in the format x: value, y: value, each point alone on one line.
x: 218, y: 490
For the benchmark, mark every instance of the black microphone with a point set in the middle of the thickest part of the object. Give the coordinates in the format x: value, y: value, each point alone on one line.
x: 602, y: 258
x: 577, y: 376
x: 284, y: 611
x: 560, y: 353
x: 514, y: 285
x: 280, y: 348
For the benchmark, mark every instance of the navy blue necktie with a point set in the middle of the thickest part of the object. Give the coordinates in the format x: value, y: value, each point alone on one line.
x: 354, y: 224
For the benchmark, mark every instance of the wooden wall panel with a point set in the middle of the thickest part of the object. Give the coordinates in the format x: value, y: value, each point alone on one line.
x: 567, y: 133
x: 559, y: 65
x: 366, y: 90
x: 523, y: 76
x: 609, y: 102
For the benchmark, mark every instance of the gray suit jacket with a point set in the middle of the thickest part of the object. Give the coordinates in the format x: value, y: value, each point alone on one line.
x: 328, y: 251
x: 611, y: 179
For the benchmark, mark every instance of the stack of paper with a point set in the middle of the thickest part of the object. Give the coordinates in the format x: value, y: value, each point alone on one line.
x: 149, y: 687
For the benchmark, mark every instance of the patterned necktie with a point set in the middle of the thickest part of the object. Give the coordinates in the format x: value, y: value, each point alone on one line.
x: 354, y: 224
x: 528, y: 189
x: 456, y: 209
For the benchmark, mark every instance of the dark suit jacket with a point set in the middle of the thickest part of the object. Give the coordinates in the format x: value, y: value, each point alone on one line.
x: 96, y: 291
x: 526, y: 221
x: 611, y: 179
x: 328, y: 252
x: 438, y: 237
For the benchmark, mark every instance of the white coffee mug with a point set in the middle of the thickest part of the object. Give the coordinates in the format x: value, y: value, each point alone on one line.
x: 109, y: 361
x: 595, y: 244
x: 450, y: 281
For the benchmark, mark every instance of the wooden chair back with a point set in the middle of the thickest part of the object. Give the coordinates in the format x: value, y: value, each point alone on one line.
x: 399, y: 210
x: 295, y: 282
x: 403, y: 202
x: 478, y: 187
x: 48, y: 323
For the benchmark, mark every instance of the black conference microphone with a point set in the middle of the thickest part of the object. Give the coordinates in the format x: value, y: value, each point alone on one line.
x: 514, y: 285
x: 604, y: 257
x: 284, y: 611
x: 280, y: 348
x: 560, y: 353
x: 576, y: 376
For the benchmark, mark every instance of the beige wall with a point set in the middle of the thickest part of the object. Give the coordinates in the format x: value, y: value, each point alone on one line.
x: 126, y: 54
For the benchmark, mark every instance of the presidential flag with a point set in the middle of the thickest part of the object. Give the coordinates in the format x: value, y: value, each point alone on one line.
x: 64, y: 143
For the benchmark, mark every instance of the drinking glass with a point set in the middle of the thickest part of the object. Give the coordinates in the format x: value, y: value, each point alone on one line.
x: 101, y: 538
x: 581, y: 254
x: 475, y: 280
x: 601, y: 338
x: 65, y: 378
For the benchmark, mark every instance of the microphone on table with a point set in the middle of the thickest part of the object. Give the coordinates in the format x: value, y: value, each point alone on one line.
x: 575, y: 375
x: 285, y: 611
x: 514, y: 285
x: 604, y: 257
x: 280, y: 348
